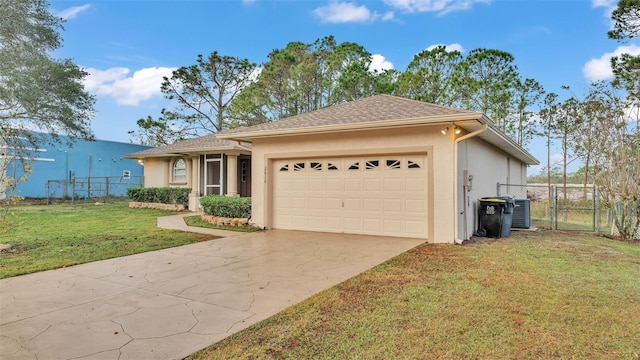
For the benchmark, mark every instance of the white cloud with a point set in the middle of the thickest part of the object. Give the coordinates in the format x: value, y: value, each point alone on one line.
x: 600, y: 68
x: 389, y: 15
x: 127, y: 90
x: 342, y: 12
x: 449, y: 48
x: 346, y: 12
x: 442, y: 7
x: 379, y: 63
x: 609, y: 5
x: 74, y: 11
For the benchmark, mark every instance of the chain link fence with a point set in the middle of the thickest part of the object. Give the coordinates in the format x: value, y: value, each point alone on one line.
x: 101, y: 188
x: 559, y: 207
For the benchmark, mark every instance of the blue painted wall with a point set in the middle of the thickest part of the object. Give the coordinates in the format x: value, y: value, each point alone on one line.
x: 56, y: 162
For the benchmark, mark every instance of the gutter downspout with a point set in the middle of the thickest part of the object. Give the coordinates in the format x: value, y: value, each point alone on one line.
x: 455, y: 182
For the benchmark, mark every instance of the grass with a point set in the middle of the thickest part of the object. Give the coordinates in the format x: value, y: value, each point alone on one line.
x: 533, y: 295
x: 196, y: 220
x: 48, y: 237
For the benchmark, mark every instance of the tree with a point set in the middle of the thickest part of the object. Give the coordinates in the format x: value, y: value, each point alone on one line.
x: 37, y: 92
x: 527, y: 95
x: 626, y: 20
x: 566, y: 125
x: 548, y: 117
x: 596, y: 105
x: 618, y: 168
x: 429, y: 76
x: 204, y: 92
x: 305, y: 77
x: 158, y: 132
x: 355, y: 80
x: 485, y: 81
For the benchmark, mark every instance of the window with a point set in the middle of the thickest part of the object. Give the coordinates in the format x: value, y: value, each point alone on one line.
x: 412, y: 165
x: 316, y: 166
x: 354, y: 166
x: 179, y: 171
x: 285, y: 168
x: 243, y: 171
x: 372, y: 164
x: 298, y: 166
x: 330, y: 166
x: 393, y: 164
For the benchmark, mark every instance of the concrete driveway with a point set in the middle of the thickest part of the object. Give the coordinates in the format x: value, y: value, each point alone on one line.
x: 167, y: 304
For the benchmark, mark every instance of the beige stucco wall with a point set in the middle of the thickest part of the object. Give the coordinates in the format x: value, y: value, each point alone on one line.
x: 440, y: 149
x: 156, y: 172
x: 488, y: 165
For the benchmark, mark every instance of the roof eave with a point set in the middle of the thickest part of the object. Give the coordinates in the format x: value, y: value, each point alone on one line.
x: 189, y: 151
x: 500, y: 140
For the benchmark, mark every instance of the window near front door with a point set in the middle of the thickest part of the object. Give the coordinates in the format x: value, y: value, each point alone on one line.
x: 179, y: 171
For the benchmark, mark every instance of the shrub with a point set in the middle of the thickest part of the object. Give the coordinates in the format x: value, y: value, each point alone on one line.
x: 163, y: 195
x: 229, y: 207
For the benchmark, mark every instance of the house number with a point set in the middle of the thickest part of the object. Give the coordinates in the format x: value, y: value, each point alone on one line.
x: 491, y: 210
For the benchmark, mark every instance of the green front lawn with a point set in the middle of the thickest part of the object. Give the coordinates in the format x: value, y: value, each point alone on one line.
x: 532, y: 296
x: 52, y: 236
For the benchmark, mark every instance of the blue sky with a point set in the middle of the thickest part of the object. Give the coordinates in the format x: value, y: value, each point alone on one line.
x: 127, y: 46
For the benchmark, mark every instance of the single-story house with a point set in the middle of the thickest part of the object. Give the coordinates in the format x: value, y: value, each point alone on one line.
x: 382, y: 165
x: 207, y: 165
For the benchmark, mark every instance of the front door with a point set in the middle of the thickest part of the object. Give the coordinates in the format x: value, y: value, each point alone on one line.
x: 213, y: 176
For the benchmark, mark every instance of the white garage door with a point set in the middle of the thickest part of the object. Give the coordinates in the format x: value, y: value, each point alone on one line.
x: 383, y: 195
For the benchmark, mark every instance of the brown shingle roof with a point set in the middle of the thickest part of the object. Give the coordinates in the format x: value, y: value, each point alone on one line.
x: 199, y: 144
x: 370, y: 109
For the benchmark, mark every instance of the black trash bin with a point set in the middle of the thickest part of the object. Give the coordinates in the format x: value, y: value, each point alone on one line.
x: 495, y: 216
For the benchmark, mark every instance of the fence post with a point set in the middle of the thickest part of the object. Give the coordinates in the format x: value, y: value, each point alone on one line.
x: 552, y: 207
x: 107, y: 189
x: 596, y: 211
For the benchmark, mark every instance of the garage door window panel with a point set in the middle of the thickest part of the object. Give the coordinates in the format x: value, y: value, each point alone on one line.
x: 372, y: 164
x: 393, y: 164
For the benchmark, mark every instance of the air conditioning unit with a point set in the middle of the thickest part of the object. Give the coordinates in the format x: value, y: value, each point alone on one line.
x: 521, y: 214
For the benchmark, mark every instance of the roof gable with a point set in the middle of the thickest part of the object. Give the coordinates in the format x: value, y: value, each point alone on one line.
x: 367, y: 110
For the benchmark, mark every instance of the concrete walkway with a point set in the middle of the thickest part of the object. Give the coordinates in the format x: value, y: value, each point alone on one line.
x: 176, y: 222
x: 167, y: 304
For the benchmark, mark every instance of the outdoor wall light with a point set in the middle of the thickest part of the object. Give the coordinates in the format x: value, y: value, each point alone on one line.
x: 456, y: 130
x: 140, y: 162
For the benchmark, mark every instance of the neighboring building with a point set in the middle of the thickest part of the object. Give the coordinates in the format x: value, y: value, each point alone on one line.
x: 207, y: 165
x: 59, y: 169
x: 382, y: 165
